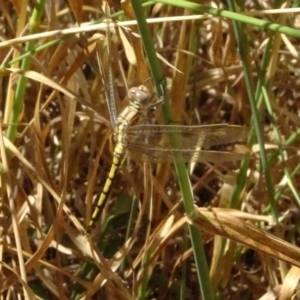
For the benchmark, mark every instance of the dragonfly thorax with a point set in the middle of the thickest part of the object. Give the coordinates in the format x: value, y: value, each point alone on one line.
x: 121, y: 130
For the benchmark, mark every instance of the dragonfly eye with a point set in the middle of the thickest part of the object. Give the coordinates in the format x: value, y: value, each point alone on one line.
x: 140, y: 95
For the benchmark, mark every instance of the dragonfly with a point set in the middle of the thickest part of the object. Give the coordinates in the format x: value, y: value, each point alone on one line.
x: 152, y: 143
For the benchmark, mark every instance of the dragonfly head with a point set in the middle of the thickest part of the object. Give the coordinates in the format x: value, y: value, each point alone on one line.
x: 140, y: 96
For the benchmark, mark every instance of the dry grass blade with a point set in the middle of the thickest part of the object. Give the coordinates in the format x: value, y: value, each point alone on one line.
x: 226, y: 225
x: 290, y: 284
x: 56, y: 86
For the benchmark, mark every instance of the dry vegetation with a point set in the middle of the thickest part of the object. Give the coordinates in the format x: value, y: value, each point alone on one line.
x: 56, y: 150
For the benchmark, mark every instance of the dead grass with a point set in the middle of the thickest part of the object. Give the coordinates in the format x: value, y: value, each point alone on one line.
x: 59, y: 159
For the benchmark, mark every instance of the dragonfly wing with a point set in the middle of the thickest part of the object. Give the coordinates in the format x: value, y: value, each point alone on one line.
x: 104, y: 62
x: 153, y: 142
x: 185, y: 137
x: 157, y: 156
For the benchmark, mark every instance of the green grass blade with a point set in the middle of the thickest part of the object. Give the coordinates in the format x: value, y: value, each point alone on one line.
x: 182, y: 174
x: 21, y: 86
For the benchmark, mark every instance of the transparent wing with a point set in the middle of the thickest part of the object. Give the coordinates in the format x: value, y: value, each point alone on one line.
x: 104, y: 61
x: 152, y: 143
x: 164, y: 155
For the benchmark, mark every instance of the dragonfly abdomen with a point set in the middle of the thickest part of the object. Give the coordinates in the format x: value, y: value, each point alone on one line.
x: 118, y: 158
